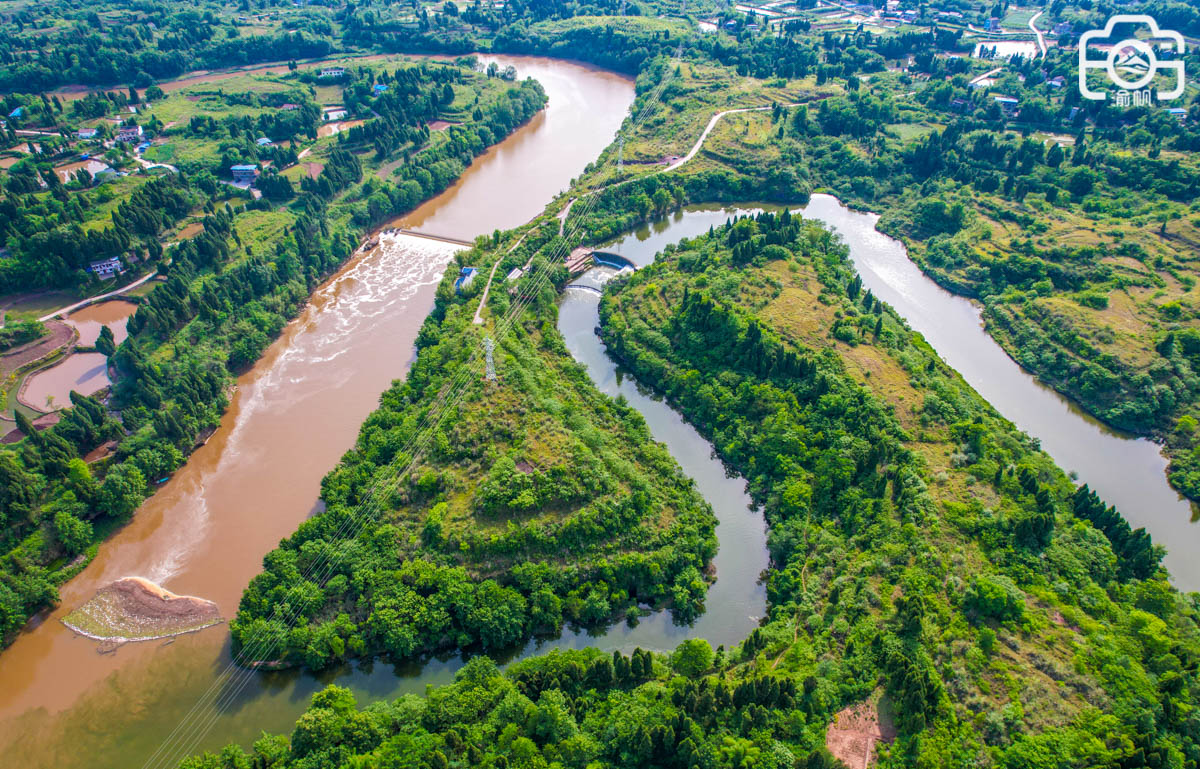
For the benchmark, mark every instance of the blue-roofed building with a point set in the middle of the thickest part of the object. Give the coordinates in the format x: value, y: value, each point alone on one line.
x: 465, y: 277
x: 17, y: 112
x: 1179, y: 113
x: 1008, y: 105
x: 379, y: 88
x: 263, y: 141
x: 244, y: 174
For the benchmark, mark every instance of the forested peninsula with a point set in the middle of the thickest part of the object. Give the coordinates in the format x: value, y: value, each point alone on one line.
x: 939, y: 593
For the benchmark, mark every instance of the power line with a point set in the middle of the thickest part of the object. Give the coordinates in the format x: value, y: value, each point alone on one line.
x: 196, y: 724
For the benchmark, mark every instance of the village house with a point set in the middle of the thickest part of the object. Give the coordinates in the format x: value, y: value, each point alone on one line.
x: 1179, y: 113
x: 333, y: 71
x: 465, y: 277
x: 288, y: 106
x: 378, y: 88
x: 992, y: 25
x: 86, y: 133
x: 1062, y: 28
x: 244, y: 174
x: 263, y: 141
x: 129, y: 134
x: 106, y: 268
x: 1008, y: 105
x: 1057, y: 82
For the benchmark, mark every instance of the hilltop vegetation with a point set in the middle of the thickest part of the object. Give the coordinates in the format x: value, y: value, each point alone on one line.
x: 537, y: 502
x: 1072, y: 221
x: 921, y: 548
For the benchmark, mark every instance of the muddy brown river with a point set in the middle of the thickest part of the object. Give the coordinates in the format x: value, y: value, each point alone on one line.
x: 64, y: 704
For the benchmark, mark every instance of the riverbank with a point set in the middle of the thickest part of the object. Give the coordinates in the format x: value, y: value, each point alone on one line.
x: 355, y: 336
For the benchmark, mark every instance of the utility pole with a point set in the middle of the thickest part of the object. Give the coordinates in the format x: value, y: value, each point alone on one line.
x: 488, y: 346
x: 620, y: 154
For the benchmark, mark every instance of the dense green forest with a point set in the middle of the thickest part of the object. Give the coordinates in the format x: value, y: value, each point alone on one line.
x: 138, y: 43
x: 222, y: 301
x: 1063, y: 218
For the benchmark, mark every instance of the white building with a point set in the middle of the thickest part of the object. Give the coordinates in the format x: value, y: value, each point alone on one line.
x: 106, y: 268
x: 129, y: 134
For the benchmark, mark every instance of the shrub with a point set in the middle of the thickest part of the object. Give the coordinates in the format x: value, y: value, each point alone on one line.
x: 995, y: 598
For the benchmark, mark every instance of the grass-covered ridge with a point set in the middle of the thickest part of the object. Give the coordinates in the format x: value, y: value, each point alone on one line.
x: 538, y: 501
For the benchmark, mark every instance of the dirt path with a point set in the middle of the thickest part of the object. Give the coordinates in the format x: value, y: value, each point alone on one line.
x: 483, y: 299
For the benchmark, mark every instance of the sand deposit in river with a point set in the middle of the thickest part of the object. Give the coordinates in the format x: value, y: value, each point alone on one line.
x: 136, y: 609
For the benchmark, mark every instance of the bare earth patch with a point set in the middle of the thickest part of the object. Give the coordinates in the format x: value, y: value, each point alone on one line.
x: 136, y: 609
x: 852, y: 736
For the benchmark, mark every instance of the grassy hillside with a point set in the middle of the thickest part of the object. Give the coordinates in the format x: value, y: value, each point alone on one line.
x: 536, y: 501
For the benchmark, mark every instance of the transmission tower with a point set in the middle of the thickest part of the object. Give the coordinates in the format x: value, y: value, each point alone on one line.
x: 488, y: 346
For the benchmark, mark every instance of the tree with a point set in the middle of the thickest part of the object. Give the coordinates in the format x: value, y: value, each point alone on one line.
x: 105, y: 343
x: 122, y: 491
x: 1055, y: 156
x: 1081, y: 182
x: 995, y: 597
x: 73, y: 534
x: 693, y: 657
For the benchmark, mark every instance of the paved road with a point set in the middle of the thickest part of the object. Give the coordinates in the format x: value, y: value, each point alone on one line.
x: 986, y: 75
x: 1041, y: 40
x: 146, y: 164
x: 73, y: 307
x: 708, y: 128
